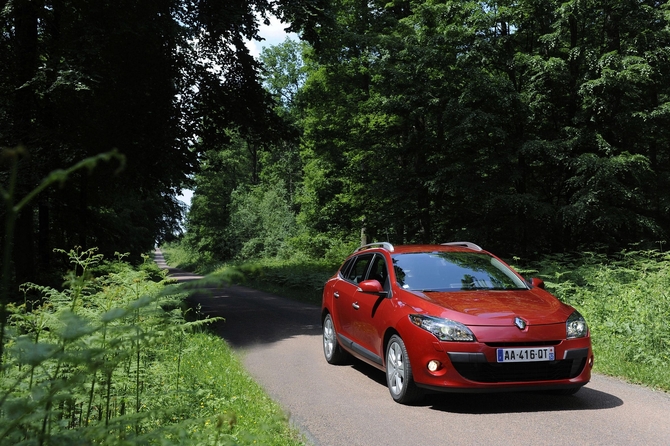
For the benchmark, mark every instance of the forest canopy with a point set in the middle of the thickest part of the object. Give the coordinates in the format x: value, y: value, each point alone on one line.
x: 161, y: 82
x: 528, y: 127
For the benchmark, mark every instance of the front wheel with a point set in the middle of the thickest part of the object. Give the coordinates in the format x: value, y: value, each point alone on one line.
x: 399, y: 373
x: 331, y: 348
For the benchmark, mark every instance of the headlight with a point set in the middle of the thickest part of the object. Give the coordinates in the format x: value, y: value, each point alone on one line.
x: 575, y: 326
x: 443, y: 329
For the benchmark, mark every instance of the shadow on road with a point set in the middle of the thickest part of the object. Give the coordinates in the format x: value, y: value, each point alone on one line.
x: 253, y: 317
x: 512, y: 402
x: 518, y: 402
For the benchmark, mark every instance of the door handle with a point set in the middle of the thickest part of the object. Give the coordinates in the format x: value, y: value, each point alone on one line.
x: 336, y: 295
x: 355, y: 305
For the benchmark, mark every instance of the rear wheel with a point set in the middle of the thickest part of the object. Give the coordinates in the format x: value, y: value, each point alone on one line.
x: 399, y: 373
x: 331, y: 348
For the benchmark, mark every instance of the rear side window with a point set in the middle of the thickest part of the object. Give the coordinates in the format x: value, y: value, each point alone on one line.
x: 359, y: 268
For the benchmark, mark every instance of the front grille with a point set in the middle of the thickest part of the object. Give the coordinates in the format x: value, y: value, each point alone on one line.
x: 521, y: 344
x: 492, y: 372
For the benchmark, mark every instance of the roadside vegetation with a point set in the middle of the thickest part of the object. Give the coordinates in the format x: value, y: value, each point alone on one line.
x: 108, y: 357
x: 111, y: 360
x: 624, y: 298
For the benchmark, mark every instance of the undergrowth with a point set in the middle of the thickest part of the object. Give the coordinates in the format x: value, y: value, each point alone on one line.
x: 298, y: 280
x: 111, y: 360
x: 626, y: 302
x: 180, y: 257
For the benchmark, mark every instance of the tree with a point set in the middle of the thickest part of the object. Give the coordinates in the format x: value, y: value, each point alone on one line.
x: 527, y: 126
x: 160, y: 81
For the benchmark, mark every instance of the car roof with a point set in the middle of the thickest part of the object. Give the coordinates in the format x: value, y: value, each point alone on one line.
x: 446, y: 247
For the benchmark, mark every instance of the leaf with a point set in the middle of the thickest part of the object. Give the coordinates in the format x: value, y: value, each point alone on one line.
x: 28, y: 352
x: 113, y: 314
x: 74, y: 326
x: 140, y: 303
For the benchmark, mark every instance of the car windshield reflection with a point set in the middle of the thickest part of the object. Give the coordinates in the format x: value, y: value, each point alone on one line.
x: 453, y: 271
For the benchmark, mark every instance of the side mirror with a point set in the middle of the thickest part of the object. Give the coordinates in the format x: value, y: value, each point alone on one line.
x: 536, y: 283
x: 371, y: 286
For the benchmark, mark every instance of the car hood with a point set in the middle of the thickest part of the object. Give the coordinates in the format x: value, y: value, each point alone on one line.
x: 535, y: 306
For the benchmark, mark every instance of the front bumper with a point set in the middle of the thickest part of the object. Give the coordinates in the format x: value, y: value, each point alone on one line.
x: 472, y: 366
x: 475, y: 367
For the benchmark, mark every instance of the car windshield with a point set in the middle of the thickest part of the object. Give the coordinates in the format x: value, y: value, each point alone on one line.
x: 453, y: 271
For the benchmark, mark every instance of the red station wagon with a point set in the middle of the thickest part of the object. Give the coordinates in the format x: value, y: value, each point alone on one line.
x: 452, y: 317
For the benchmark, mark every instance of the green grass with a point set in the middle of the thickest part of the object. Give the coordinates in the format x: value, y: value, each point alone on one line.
x: 225, y: 405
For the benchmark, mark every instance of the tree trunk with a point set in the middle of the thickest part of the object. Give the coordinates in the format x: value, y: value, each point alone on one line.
x: 24, y: 247
x: 43, y: 237
x: 24, y: 114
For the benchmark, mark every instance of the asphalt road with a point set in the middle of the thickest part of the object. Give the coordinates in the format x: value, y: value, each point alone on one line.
x: 280, y: 342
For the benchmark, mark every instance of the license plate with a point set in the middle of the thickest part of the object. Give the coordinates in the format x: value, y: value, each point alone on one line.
x: 525, y: 354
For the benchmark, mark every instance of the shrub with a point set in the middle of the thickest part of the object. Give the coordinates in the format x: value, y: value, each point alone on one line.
x: 110, y: 360
x: 626, y: 303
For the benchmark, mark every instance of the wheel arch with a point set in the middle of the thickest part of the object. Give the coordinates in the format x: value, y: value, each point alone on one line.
x: 325, y: 311
x: 390, y: 331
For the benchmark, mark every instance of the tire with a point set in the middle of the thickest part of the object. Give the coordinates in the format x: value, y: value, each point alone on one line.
x: 331, y: 348
x: 399, y: 377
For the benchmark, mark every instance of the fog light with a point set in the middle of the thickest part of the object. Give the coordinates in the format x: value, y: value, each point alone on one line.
x: 433, y: 365
x: 591, y: 361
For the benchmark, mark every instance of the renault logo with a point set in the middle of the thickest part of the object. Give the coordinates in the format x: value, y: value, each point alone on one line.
x: 519, y: 323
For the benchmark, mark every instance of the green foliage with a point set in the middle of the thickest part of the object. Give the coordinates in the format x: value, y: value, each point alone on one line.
x: 532, y: 127
x: 110, y: 360
x: 178, y: 254
x: 162, y: 82
x: 261, y: 221
x: 299, y: 279
x: 97, y: 361
x: 626, y: 303
x: 208, y: 219
x: 13, y: 205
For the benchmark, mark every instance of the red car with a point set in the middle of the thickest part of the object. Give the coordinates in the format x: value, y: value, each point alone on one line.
x: 452, y: 317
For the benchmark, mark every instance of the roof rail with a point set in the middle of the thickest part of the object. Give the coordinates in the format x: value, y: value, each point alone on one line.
x: 465, y: 245
x: 386, y: 245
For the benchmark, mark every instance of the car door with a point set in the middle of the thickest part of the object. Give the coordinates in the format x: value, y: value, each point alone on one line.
x: 366, y: 327
x: 345, y: 297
